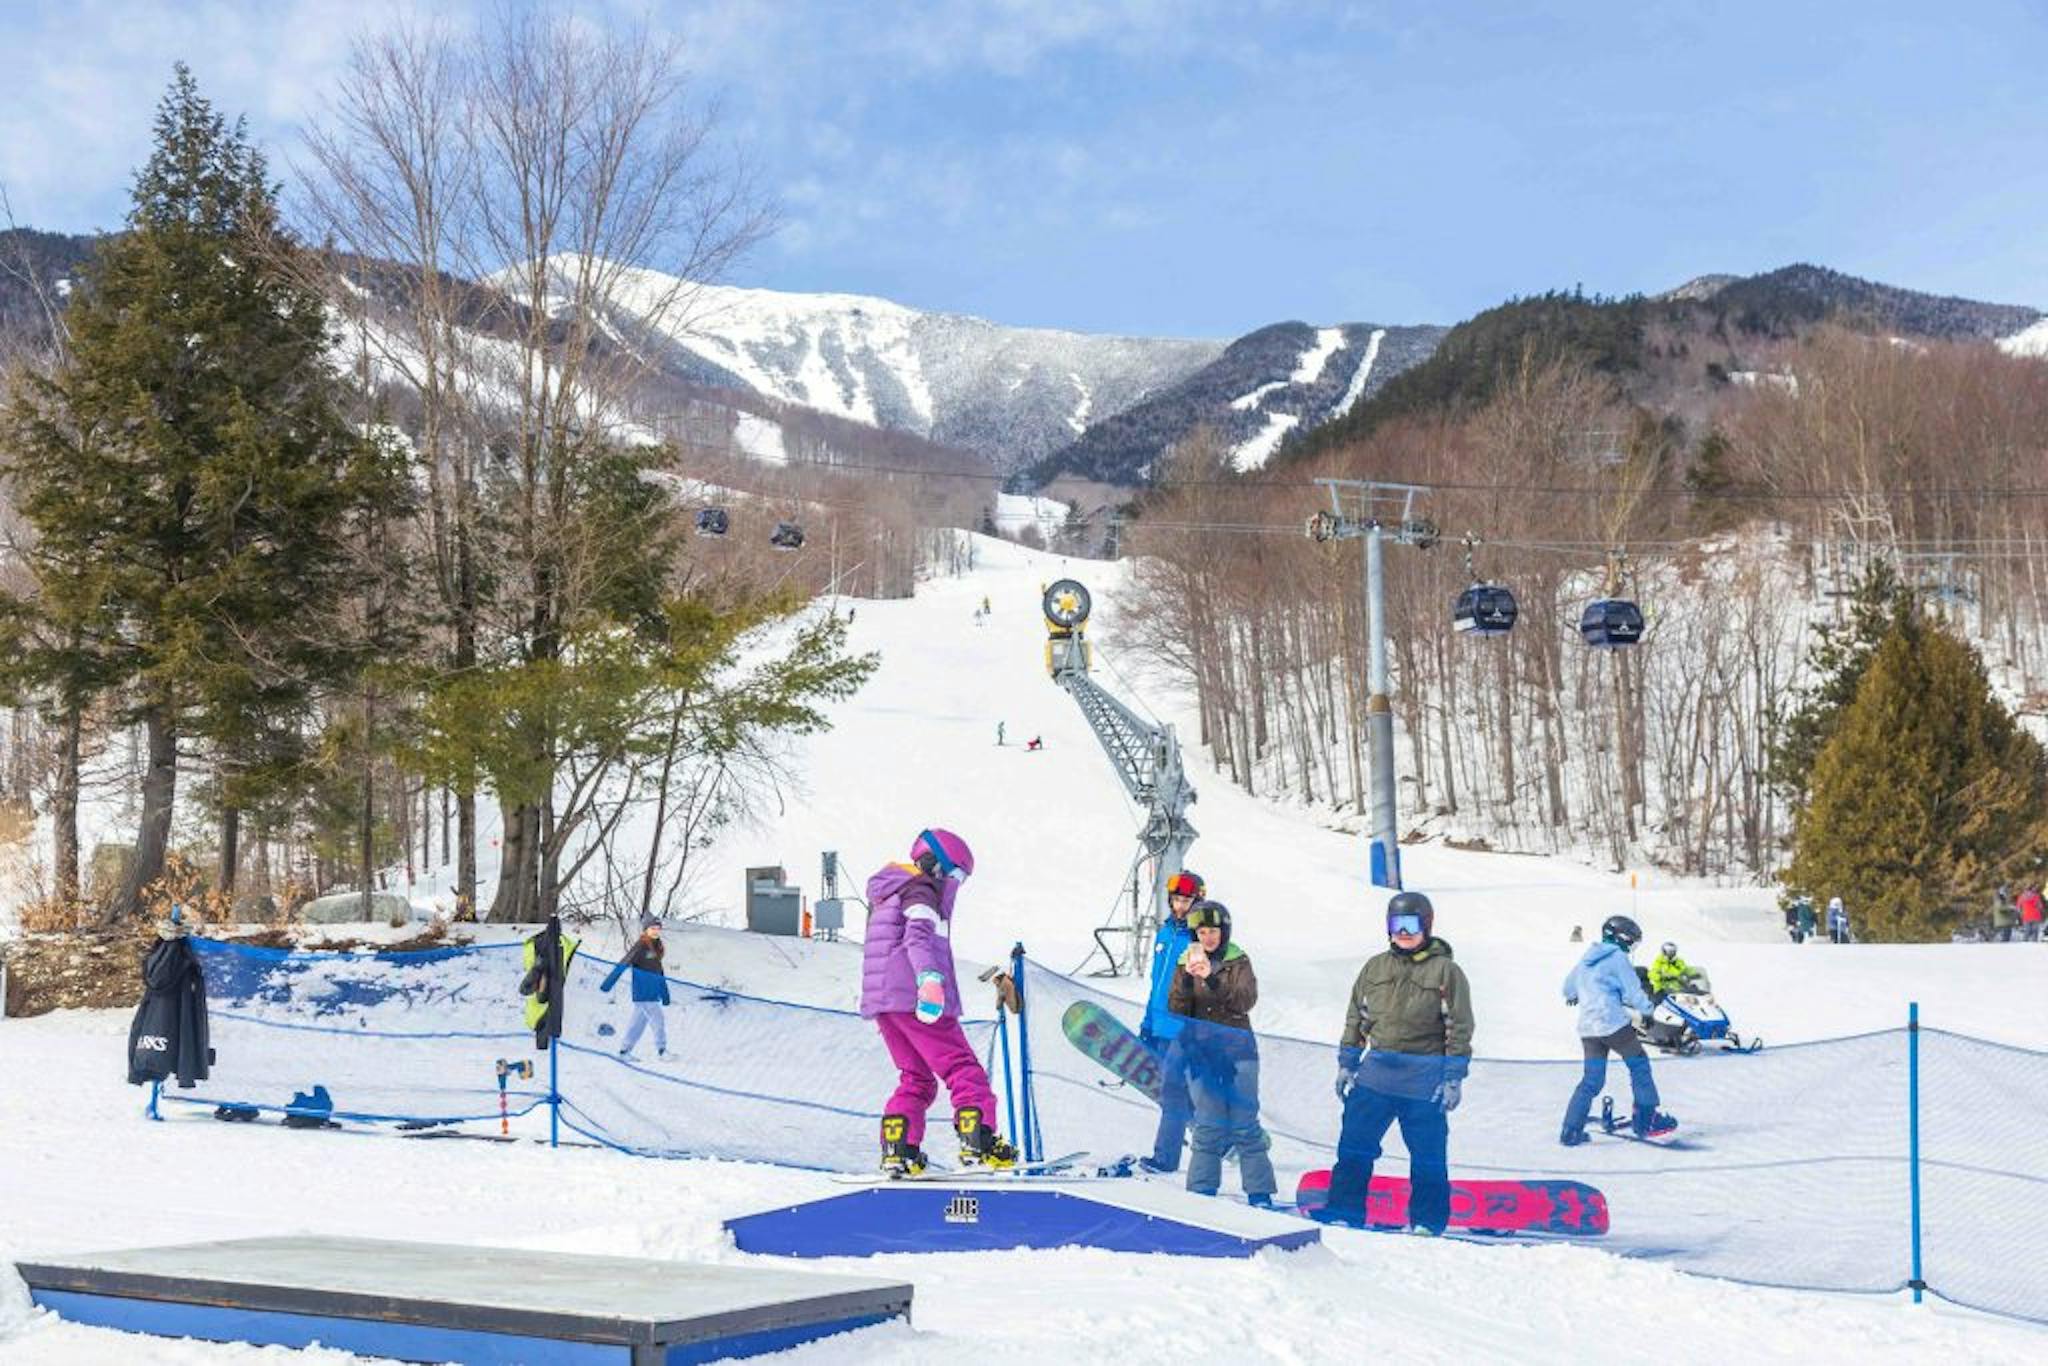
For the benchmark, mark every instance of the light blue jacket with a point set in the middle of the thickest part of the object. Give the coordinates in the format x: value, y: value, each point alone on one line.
x: 1605, y: 986
x: 1167, y: 947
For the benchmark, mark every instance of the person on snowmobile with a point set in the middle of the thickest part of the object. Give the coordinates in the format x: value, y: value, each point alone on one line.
x: 1213, y: 991
x: 1604, y: 988
x: 1669, y: 972
x: 1413, y: 1006
x: 1161, y: 1028
x: 908, y: 987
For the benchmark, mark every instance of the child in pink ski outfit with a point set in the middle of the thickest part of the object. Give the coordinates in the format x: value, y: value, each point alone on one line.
x: 908, y: 988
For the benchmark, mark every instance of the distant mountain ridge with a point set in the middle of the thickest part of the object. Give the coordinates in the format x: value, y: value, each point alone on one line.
x: 1264, y: 387
x: 1798, y: 294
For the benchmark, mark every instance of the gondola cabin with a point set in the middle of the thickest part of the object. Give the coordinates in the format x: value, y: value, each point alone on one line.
x: 1484, y: 609
x: 713, y: 521
x: 787, y: 536
x: 1611, y: 622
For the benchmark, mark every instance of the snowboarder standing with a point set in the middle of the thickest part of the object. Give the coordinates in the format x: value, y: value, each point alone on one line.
x: 1838, y: 921
x: 1413, y: 1005
x: 2031, y: 914
x: 650, y: 986
x: 1213, y: 991
x: 908, y: 987
x: 2004, y: 916
x: 1604, y: 988
x: 1803, y: 911
x: 1160, y: 1031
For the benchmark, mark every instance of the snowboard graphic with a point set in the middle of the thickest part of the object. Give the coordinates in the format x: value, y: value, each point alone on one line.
x: 1104, y: 1038
x: 1565, y: 1208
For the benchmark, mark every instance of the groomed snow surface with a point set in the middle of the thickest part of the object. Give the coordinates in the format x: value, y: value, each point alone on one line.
x: 80, y: 1169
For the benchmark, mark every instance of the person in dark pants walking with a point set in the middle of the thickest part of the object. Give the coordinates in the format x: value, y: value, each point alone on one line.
x: 1413, y: 1006
x: 1609, y: 995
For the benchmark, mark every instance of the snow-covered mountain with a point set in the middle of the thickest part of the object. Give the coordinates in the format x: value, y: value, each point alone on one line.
x: 1264, y: 387
x: 1012, y: 394
x: 2028, y: 341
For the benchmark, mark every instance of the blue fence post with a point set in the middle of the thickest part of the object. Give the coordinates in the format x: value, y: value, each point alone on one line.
x: 554, y: 1094
x: 1028, y: 1135
x: 1003, y: 1046
x: 1919, y: 1281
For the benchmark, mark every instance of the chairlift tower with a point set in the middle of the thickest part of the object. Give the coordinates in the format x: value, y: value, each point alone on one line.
x: 1364, y: 509
x: 1146, y: 756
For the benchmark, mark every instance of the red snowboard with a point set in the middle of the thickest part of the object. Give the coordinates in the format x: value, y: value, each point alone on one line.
x: 1570, y: 1209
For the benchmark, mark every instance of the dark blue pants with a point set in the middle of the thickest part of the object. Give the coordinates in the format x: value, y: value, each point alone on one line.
x: 1644, y: 1087
x: 1368, y: 1114
x: 1175, y: 1108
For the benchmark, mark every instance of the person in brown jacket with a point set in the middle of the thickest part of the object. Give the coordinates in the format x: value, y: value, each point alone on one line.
x: 1215, y: 989
x: 1414, y: 1007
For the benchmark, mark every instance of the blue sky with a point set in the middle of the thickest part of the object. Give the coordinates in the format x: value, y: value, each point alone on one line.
x: 1187, y: 168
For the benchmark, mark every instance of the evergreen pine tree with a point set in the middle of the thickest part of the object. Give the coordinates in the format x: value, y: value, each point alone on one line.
x: 193, y: 452
x: 1840, y: 653
x: 1925, y: 796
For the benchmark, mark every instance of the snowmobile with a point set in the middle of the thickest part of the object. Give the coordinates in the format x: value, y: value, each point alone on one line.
x: 1685, y: 1020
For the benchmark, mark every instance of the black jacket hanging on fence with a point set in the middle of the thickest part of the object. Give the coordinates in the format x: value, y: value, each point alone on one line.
x: 169, y: 1033
x: 545, y: 984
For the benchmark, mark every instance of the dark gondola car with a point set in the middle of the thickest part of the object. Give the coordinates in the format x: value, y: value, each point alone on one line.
x: 1610, y: 622
x: 787, y: 536
x: 713, y: 521
x: 1484, y: 609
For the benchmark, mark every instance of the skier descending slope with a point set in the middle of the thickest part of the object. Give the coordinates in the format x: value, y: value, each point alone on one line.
x: 908, y: 987
x: 1604, y: 988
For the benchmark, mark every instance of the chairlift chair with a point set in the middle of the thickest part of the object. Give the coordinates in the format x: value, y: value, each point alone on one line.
x: 1484, y: 609
x: 713, y: 521
x: 787, y: 536
x: 1609, y: 623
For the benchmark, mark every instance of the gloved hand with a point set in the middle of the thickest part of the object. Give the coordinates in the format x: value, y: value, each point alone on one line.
x: 1347, y: 1077
x: 1449, y: 1094
x: 931, y: 997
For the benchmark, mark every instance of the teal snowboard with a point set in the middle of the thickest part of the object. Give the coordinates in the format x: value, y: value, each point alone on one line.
x: 1104, y: 1038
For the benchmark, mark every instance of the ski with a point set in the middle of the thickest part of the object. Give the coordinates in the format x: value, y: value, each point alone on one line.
x: 1049, y: 1166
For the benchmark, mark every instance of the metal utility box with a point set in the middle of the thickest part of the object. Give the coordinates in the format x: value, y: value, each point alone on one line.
x: 773, y: 907
x: 828, y: 917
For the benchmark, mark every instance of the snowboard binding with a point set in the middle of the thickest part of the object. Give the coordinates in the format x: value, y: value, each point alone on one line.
x: 981, y: 1146
x: 900, y: 1157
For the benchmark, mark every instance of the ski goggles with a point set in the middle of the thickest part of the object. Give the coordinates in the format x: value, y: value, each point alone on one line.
x: 945, y: 867
x: 1184, y: 884
x: 1405, y: 923
x: 1207, y: 918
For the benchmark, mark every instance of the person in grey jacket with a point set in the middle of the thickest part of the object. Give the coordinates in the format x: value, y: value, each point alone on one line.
x: 1609, y: 996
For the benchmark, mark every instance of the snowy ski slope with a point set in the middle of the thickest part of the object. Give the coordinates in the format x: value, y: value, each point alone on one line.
x: 1053, y: 837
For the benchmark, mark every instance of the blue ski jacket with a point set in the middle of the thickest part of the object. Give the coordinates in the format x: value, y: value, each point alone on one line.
x: 1168, y: 947
x: 1605, y: 987
x: 649, y: 982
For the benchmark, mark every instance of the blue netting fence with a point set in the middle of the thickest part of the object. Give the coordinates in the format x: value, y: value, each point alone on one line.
x: 1796, y: 1169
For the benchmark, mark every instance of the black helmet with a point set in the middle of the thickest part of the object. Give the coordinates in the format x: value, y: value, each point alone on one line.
x: 1669, y: 949
x: 1621, y: 932
x: 1205, y: 913
x: 1410, y: 903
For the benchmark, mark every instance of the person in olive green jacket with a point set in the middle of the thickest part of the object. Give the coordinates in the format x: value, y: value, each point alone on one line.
x: 1214, y: 989
x: 1414, y: 1007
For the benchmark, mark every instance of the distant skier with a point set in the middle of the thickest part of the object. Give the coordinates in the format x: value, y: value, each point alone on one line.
x: 1034, y: 744
x: 1838, y: 921
x: 999, y: 734
x: 1161, y: 1028
x: 1807, y: 921
x: 2005, y: 917
x: 650, y: 987
x: 1213, y: 992
x: 908, y: 987
x: 2031, y: 914
x: 1604, y: 988
x: 1669, y: 972
x: 1413, y: 1005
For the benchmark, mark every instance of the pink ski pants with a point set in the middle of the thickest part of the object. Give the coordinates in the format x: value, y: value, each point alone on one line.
x: 923, y: 1053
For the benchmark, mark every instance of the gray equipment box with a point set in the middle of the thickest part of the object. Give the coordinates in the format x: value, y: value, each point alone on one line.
x: 773, y: 907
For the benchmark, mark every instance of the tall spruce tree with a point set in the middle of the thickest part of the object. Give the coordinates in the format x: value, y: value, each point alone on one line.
x: 1840, y: 653
x: 194, y: 452
x: 1926, y: 795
